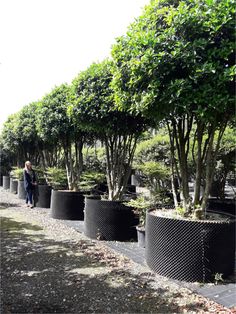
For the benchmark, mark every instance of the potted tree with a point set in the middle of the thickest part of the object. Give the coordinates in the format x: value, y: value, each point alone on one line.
x: 175, y: 79
x: 141, y: 205
x: 10, y: 142
x: 6, y: 157
x: 94, y: 110
x: 55, y: 128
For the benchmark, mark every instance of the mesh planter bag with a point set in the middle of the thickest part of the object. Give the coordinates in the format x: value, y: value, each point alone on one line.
x: 67, y: 205
x: 21, y: 190
x: 109, y: 220
x: 42, y: 196
x: 190, y: 250
x: 13, y: 186
x: 6, y: 182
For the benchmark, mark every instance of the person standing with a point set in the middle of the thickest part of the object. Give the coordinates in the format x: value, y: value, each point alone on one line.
x: 29, y: 183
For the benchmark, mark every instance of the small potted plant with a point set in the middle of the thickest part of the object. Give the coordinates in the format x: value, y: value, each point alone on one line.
x: 141, y: 205
x: 13, y: 182
x: 18, y: 175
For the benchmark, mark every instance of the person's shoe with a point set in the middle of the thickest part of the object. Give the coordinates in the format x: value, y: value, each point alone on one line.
x: 31, y: 206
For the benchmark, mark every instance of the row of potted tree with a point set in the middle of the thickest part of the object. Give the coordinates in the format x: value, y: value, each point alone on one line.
x: 173, y: 68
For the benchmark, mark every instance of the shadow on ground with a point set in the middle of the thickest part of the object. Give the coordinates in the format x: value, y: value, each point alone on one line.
x: 4, y: 205
x: 41, y: 275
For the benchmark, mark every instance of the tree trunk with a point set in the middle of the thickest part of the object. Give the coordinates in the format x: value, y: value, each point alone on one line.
x: 211, y: 161
x: 172, y: 161
x: 178, y: 133
x: 78, y: 168
x: 119, y: 155
x: 209, y: 173
x: 199, y: 165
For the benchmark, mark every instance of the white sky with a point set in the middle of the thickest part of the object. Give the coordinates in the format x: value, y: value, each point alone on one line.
x: 44, y: 43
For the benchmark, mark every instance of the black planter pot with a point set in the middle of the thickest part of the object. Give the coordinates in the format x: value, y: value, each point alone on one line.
x: 232, y: 181
x: 68, y: 205
x: 21, y: 190
x: 190, y: 250
x: 131, y: 189
x: 109, y: 220
x: 215, y: 189
x: 42, y: 196
x: 225, y: 206
x: 141, y: 236
x: 6, y: 182
x: 13, y: 185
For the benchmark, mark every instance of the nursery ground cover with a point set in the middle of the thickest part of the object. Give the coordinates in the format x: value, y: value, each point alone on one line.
x: 48, y: 267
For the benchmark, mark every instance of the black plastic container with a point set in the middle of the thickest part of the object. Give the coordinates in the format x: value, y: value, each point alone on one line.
x: 13, y: 185
x: 109, y: 220
x: 6, y: 182
x: 131, y: 189
x: 21, y: 190
x: 68, y: 205
x: 42, y: 196
x: 190, y: 250
x: 226, y: 206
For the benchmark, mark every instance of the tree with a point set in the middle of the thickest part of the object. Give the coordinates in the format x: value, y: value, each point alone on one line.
x: 11, y: 140
x: 176, y: 64
x: 95, y: 112
x: 26, y: 128
x: 57, y: 130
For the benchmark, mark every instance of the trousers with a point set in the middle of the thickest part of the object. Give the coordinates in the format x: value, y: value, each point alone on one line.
x: 29, y: 196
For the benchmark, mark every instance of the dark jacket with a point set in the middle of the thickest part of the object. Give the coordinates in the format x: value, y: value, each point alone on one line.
x: 28, y: 180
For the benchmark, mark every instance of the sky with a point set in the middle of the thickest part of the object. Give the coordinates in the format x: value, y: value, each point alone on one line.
x: 44, y: 43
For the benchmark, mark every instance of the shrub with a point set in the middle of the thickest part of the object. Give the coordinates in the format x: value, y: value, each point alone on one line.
x: 56, y: 177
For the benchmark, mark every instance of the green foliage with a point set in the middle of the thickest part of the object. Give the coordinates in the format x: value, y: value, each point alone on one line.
x: 153, y: 149
x: 53, y: 124
x: 141, y: 204
x: 175, y: 60
x: 176, y: 65
x: 94, y: 159
x: 157, y: 180
x: 181, y: 211
x: 6, y: 158
x: 95, y: 110
x: 226, y: 163
x: 19, y: 134
x: 91, y: 179
x: 40, y: 175
x: 155, y: 170
x: 27, y: 124
x: 56, y: 177
x: 11, y: 138
x: 17, y: 173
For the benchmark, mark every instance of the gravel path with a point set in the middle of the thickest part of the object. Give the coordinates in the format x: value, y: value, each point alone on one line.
x: 47, y: 267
